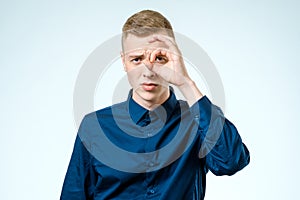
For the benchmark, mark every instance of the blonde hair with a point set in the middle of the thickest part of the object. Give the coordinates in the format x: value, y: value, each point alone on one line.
x: 147, y: 22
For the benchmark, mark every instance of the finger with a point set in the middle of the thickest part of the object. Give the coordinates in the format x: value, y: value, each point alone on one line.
x: 162, y: 37
x: 164, y: 72
x: 169, y: 41
x: 157, y: 52
x: 147, y: 65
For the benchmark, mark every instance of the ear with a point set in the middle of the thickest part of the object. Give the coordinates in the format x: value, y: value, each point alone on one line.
x: 123, y: 60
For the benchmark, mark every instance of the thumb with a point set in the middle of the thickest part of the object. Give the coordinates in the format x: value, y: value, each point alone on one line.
x: 164, y: 72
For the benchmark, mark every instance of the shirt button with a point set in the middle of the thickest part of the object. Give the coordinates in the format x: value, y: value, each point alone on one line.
x: 151, y: 164
x: 152, y: 191
x: 149, y: 134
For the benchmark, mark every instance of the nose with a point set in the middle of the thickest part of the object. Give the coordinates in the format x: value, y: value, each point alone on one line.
x: 147, y: 62
x: 147, y: 72
x: 148, y: 67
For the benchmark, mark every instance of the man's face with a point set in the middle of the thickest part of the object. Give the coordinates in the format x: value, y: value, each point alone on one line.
x: 147, y: 85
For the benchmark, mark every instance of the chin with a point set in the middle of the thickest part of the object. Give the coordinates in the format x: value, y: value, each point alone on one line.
x: 147, y: 95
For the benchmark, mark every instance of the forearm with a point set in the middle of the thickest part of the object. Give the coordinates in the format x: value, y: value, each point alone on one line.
x: 229, y: 154
x: 221, y: 144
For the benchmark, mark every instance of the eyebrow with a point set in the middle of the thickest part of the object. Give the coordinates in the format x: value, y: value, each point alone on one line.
x: 134, y: 55
x: 135, y: 52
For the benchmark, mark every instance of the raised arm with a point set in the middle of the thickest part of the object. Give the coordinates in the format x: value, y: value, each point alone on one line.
x: 221, y: 144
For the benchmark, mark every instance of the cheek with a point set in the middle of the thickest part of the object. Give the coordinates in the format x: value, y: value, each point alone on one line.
x: 128, y: 67
x: 133, y: 76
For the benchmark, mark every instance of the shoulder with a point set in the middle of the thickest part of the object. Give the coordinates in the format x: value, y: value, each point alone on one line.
x: 182, y: 104
x: 107, y: 112
x: 92, y: 123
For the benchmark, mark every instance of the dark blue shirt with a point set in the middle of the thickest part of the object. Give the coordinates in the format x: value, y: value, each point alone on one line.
x: 127, y: 152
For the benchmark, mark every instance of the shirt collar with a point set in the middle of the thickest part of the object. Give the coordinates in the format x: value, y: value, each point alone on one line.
x: 163, y: 112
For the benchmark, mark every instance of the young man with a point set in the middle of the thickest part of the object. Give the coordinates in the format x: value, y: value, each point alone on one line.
x: 170, y: 144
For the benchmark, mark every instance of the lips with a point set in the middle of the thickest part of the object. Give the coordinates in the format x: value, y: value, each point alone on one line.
x: 149, y: 86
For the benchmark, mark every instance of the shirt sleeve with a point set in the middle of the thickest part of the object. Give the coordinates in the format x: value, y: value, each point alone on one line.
x: 77, y: 184
x: 221, y: 145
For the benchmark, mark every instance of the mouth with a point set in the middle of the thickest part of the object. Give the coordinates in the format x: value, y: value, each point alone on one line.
x: 149, y: 86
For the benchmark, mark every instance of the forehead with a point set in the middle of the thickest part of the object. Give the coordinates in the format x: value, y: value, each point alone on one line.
x: 134, y: 43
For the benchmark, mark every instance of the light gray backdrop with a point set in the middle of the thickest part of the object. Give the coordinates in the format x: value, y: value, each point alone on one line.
x: 254, y: 45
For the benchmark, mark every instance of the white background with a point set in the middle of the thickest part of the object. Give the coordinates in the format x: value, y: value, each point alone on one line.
x: 254, y: 44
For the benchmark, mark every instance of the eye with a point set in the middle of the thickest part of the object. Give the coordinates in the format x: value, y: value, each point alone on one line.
x: 161, y: 59
x: 136, y: 60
